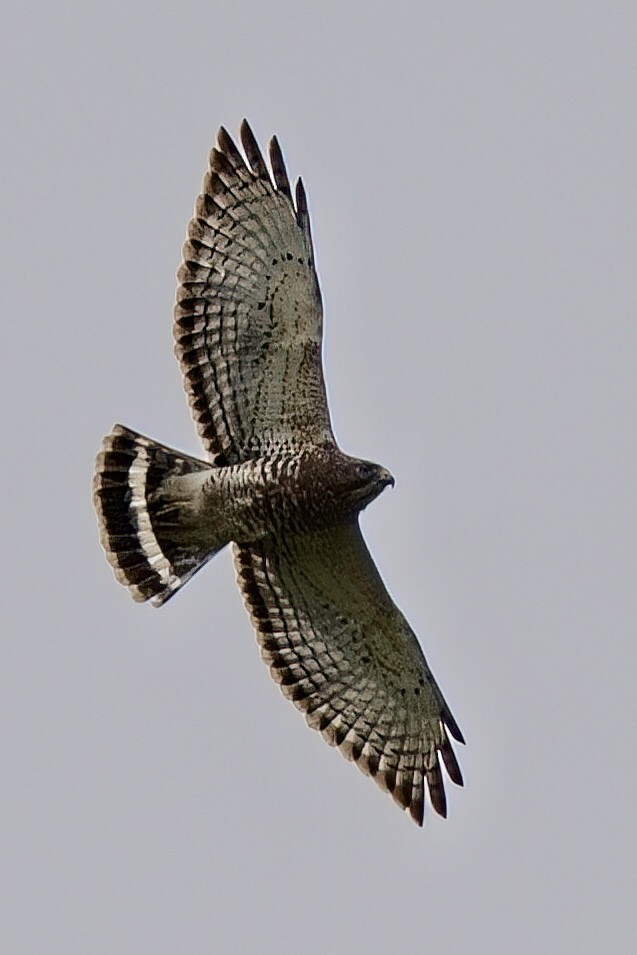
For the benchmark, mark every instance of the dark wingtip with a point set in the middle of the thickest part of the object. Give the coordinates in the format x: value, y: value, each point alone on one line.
x: 301, y: 198
x: 302, y: 213
x: 223, y: 137
x: 453, y: 727
x: 278, y: 168
x: 451, y: 763
x: 220, y: 161
x: 441, y: 809
x: 417, y: 809
x: 436, y: 789
x: 227, y: 145
x: 253, y: 153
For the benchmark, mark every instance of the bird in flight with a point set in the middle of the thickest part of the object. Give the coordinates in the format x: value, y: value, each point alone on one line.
x: 248, y: 336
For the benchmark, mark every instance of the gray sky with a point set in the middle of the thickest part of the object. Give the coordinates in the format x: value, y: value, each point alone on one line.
x: 470, y: 171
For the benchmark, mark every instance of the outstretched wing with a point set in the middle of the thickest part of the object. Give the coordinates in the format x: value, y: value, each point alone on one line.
x: 248, y: 318
x: 345, y: 655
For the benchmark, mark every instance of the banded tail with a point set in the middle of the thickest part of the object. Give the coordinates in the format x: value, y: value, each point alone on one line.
x: 148, y: 500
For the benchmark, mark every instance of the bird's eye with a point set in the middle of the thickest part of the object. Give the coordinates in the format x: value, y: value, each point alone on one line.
x: 366, y: 471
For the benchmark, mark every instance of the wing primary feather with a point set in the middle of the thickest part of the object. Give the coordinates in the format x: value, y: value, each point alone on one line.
x: 451, y: 725
x: 226, y: 145
x: 278, y: 168
x: 253, y: 153
x: 402, y: 795
x: 451, y: 763
x: 219, y: 162
x: 417, y: 807
x: 436, y: 789
x: 302, y: 212
x: 389, y: 779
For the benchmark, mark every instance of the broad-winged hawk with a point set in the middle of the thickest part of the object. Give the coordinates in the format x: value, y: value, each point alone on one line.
x: 248, y: 332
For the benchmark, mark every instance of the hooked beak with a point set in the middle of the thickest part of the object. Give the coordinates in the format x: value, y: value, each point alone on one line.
x: 386, y: 478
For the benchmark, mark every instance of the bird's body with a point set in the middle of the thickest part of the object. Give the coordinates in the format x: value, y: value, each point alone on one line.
x: 248, y: 334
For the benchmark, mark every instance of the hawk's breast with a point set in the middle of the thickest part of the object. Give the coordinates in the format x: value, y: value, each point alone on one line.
x: 292, y: 491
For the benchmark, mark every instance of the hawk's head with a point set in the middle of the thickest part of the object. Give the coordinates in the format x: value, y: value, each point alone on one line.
x: 362, y: 481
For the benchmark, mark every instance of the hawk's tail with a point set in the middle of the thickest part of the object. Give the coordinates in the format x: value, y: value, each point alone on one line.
x: 146, y: 499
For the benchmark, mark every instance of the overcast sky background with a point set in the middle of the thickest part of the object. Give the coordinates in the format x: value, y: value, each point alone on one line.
x: 470, y: 172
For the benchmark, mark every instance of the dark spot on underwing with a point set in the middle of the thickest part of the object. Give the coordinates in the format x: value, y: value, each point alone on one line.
x: 289, y: 256
x: 261, y: 306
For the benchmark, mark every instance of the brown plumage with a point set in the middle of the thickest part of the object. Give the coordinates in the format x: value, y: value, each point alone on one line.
x: 248, y: 337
